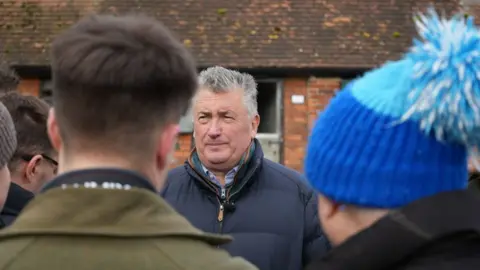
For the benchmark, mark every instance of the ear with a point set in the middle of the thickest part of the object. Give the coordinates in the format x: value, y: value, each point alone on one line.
x: 53, y: 131
x: 327, y: 208
x: 31, y: 168
x: 255, y: 124
x: 166, y: 145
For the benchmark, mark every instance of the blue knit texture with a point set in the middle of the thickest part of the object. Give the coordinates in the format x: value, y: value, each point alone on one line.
x: 403, y: 131
x: 356, y: 156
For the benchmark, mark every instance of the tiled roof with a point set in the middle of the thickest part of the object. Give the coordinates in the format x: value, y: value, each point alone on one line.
x: 235, y: 33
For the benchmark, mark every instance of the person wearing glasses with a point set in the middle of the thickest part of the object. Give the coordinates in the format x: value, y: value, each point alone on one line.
x: 34, y: 162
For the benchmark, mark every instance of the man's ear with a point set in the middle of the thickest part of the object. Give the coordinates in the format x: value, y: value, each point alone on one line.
x: 327, y: 208
x: 31, y: 168
x: 166, y: 145
x: 255, y: 124
x: 54, y: 131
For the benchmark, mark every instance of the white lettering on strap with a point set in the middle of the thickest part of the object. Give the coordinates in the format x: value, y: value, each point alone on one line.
x: 105, y: 185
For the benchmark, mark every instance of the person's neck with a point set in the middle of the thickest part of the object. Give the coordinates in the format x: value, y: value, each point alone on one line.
x: 85, y: 162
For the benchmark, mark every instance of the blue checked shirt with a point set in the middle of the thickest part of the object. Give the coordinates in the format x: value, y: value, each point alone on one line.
x: 228, y: 177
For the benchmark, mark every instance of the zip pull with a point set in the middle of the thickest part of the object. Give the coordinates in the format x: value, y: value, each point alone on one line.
x: 222, y: 194
x: 220, y: 213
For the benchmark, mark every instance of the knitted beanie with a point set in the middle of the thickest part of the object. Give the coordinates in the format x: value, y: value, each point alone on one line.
x: 403, y: 131
x: 8, y: 137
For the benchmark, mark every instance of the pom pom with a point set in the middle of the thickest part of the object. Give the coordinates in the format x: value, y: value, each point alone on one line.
x: 445, y: 98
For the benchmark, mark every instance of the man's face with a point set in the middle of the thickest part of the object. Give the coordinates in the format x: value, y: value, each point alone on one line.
x: 223, y: 128
x: 4, y: 185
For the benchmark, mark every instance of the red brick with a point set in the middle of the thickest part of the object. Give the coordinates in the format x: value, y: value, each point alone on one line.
x: 183, y: 151
x: 299, y: 118
x: 320, y: 91
x: 29, y: 87
x: 295, y: 125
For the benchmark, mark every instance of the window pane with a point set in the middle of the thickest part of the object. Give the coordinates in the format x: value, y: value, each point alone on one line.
x: 267, y: 107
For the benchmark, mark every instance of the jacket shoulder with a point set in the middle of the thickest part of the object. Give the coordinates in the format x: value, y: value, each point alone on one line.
x: 156, y: 253
x: 175, y: 176
x: 285, y: 171
x: 179, y: 171
x: 292, y: 178
x: 191, y: 254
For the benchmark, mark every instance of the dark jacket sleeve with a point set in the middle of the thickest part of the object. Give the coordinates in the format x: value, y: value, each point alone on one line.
x: 164, y: 189
x: 315, y: 244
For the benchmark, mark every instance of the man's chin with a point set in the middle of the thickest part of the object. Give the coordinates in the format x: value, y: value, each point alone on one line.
x: 217, y: 161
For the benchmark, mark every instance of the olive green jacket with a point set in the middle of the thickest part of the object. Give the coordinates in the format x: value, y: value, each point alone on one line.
x: 90, y: 229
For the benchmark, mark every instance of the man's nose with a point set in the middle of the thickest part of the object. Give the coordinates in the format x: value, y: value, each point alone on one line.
x: 214, y: 131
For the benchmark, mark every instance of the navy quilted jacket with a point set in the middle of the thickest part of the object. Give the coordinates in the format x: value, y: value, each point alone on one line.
x: 269, y: 210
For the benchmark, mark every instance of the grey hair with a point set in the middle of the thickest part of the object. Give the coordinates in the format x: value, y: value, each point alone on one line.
x: 219, y: 79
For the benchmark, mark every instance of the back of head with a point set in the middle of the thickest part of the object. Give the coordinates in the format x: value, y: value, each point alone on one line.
x: 29, y: 116
x: 402, y: 132
x: 8, y: 78
x: 118, y: 81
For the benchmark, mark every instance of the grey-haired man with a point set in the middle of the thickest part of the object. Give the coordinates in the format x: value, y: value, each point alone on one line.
x: 227, y: 186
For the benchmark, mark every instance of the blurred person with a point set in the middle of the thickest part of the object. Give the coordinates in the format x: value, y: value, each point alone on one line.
x: 34, y: 162
x: 121, y: 84
x: 389, y: 158
x: 268, y: 208
x: 8, y: 143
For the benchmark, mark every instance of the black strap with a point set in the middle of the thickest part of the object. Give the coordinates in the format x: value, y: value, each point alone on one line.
x: 100, y: 178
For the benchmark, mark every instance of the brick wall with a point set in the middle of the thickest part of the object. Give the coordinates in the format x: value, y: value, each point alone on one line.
x: 295, y: 123
x: 319, y: 91
x: 299, y: 118
x: 183, y: 149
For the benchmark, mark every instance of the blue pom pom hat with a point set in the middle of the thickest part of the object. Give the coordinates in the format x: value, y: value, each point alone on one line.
x: 403, y: 131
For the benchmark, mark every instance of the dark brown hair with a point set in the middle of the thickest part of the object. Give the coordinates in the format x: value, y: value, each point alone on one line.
x: 29, y: 116
x: 118, y: 80
x: 8, y: 78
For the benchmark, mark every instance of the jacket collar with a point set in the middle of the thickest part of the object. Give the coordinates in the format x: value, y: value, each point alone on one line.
x: 17, y: 199
x: 403, y: 231
x: 100, y: 178
x: 136, y: 212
